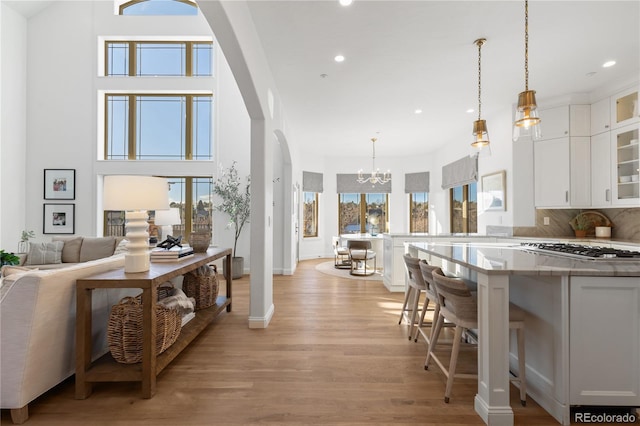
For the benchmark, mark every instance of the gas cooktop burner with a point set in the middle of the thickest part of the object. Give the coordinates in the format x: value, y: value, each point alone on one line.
x: 589, y: 252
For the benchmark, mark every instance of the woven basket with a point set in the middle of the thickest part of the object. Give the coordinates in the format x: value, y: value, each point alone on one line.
x: 124, y: 330
x: 203, y: 288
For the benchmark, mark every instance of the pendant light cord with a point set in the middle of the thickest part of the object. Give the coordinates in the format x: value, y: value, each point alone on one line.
x: 479, y: 42
x: 526, y: 45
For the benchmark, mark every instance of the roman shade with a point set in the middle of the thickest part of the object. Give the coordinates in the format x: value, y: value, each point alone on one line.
x: 312, y: 182
x: 347, y: 183
x: 461, y: 172
x: 416, y: 182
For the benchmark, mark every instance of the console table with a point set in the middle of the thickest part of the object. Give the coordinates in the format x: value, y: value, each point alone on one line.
x: 106, y: 369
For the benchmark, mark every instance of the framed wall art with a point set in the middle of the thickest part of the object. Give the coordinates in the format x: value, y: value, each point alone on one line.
x: 494, y: 191
x: 58, y: 219
x: 59, y: 184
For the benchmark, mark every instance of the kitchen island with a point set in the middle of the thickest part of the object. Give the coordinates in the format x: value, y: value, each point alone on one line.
x: 582, y: 325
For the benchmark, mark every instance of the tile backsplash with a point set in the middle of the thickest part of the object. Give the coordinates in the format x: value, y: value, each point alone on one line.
x: 626, y: 223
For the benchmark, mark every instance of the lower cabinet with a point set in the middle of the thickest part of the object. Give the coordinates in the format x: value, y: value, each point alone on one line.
x: 604, y: 324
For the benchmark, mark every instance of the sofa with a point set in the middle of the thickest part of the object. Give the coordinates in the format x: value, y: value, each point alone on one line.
x: 37, y: 322
x: 64, y: 251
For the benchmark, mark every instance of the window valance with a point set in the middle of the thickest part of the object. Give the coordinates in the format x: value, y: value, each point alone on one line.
x: 347, y: 183
x: 416, y: 182
x: 312, y: 182
x: 460, y: 172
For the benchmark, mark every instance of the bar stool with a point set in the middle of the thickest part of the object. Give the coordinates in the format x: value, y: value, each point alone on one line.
x: 426, y: 271
x: 458, y: 306
x: 416, y: 287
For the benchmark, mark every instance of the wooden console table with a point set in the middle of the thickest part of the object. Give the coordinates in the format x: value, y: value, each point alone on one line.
x: 106, y: 369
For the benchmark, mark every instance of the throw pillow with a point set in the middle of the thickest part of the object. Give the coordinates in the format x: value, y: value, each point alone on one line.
x: 71, y: 248
x: 45, y: 253
x: 122, y: 247
x: 97, y: 248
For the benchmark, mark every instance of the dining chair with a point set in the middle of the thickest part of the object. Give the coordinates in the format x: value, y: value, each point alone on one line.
x: 360, y: 253
x: 341, y: 259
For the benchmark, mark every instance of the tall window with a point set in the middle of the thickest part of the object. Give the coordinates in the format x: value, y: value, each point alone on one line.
x: 192, y: 195
x: 310, y: 215
x: 158, y: 127
x: 464, y: 208
x: 419, y: 212
x: 362, y: 213
x: 158, y: 58
x: 159, y: 7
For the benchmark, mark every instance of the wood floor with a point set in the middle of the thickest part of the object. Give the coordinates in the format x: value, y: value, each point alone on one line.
x: 333, y: 354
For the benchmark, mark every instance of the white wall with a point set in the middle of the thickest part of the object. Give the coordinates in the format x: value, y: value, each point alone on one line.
x: 13, y: 130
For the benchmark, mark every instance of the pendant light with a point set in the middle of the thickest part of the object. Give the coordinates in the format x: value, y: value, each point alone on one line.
x: 376, y: 176
x: 527, y: 121
x: 480, y: 142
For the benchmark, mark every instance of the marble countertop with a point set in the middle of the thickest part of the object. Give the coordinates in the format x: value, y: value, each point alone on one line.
x: 513, y: 259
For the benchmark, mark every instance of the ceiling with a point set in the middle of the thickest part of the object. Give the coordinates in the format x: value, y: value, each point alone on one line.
x: 405, y: 55
x: 420, y: 54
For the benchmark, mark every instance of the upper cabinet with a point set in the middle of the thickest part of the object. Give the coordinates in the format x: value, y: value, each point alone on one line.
x: 624, y: 108
x: 624, y: 145
x: 601, y: 116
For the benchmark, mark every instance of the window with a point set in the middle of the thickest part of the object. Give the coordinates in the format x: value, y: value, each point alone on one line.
x: 158, y: 58
x: 419, y: 212
x: 159, y: 7
x: 310, y: 215
x: 158, y: 127
x: 464, y: 208
x: 361, y: 213
x: 189, y: 194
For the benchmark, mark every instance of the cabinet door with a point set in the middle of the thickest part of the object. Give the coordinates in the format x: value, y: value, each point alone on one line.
x: 580, y: 172
x: 624, y: 108
x: 551, y: 172
x: 580, y: 120
x: 600, y: 116
x: 555, y: 122
x: 626, y: 165
x: 601, y: 170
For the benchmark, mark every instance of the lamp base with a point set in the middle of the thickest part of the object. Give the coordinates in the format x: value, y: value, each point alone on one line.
x: 137, y: 257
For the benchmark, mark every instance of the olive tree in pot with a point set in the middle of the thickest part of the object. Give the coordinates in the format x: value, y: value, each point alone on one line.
x: 236, y: 203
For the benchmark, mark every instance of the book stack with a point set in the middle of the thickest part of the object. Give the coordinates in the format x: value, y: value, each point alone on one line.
x: 174, y: 254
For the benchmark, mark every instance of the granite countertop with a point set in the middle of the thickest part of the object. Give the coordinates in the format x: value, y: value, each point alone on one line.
x: 513, y: 259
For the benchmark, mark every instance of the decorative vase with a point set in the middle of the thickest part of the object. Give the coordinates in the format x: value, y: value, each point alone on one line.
x: 23, y: 247
x: 200, y: 241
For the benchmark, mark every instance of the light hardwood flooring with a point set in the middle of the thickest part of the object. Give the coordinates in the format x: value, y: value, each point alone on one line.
x: 333, y: 354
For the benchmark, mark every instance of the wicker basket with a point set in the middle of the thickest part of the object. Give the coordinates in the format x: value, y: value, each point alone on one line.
x: 202, y: 285
x: 124, y: 330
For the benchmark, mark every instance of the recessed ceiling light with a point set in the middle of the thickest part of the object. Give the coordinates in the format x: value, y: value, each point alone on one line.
x: 591, y: 74
x: 470, y: 110
x: 339, y: 58
x: 346, y: 2
x: 608, y: 64
x: 418, y: 111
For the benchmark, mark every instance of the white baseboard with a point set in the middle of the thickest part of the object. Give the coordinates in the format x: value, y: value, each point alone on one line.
x: 262, y: 322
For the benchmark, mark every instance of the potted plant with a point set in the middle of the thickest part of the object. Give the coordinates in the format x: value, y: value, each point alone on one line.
x: 8, y: 258
x: 236, y: 203
x: 23, y: 246
x: 581, y: 224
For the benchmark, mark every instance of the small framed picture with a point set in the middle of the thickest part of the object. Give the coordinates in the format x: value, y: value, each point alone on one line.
x: 58, y: 219
x: 59, y: 184
x: 494, y: 191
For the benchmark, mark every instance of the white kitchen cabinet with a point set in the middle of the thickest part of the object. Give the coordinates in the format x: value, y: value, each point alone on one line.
x: 617, y: 304
x: 580, y: 171
x: 626, y: 165
x: 580, y: 120
x: 551, y: 170
x: 624, y: 108
x: 601, y: 169
x: 601, y: 116
x: 554, y: 122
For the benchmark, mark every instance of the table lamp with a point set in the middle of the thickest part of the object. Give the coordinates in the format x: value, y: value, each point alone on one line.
x: 135, y: 195
x: 167, y: 218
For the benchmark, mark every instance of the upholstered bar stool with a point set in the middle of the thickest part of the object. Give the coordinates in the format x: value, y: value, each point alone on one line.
x: 360, y: 253
x: 460, y: 307
x: 412, y: 298
x: 341, y: 259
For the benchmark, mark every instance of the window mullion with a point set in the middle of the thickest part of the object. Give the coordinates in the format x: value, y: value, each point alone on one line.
x: 363, y: 213
x: 188, y: 207
x: 133, y: 62
x: 133, y: 112
x: 188, y: 152
x: 188, y: 66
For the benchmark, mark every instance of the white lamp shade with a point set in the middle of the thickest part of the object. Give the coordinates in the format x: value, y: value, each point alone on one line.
x: 135, y: 193
x: 167, y: 217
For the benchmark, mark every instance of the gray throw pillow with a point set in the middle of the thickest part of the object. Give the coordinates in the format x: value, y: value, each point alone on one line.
x: 96, y: 248
x: 45, y: 253
x: 71, y: 248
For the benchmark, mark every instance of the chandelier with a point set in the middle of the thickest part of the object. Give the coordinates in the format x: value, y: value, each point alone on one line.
x: 527, y: 120
x: 376, y: 176
x: 480, y: 134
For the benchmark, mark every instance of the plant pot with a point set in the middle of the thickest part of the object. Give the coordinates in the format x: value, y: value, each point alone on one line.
x: 580, y: 233
x: 237, y: 267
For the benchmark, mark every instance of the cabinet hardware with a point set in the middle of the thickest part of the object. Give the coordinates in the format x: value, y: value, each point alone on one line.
x: 566, y: 196
x: 606, y: 194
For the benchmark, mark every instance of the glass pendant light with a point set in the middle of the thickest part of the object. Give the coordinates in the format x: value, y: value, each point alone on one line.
x: 527, y: 121
x: 480, y: 142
